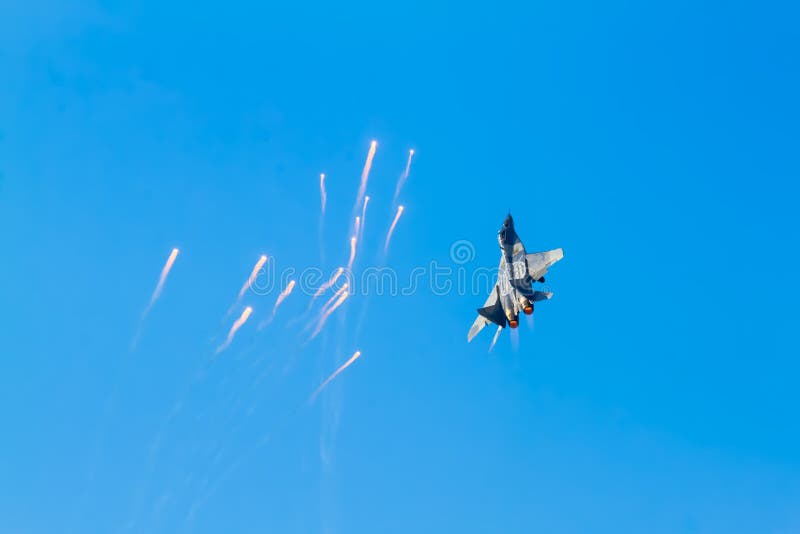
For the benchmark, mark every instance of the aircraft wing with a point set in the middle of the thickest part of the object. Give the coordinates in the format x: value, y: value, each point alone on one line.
x: 539, y: 262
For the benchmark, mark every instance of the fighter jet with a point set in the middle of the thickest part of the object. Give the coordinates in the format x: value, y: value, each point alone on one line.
x: 517, y: 273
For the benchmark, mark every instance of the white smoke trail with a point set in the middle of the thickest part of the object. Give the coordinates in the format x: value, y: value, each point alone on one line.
x: 236, y: 326
x: 161, y: 280
x: 322, y: 194
x: 362, y: 188
x: 403, y: 177
x: 363, y: 218
x: 391, y: 229
x: 352, y: 254
x: 253, y: 275
x: 327, y: 313
x: 494, y: 339
x: 281, y: 297
x: 332, y: 280
x: 336, y: 373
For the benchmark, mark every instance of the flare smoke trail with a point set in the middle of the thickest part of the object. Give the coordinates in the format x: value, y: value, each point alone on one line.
x: 360, y: 235
x: 322, y: 194
x: 325, y: 314
x: 336, y: 373
x: 335, y: 295
x: 285, y: 293
x: 494, y: 339
x: 253, y: 275
x: 403, y: 177
x: 357, y: 226
x: 236, y: 326
x: 362, y: 189
x: 352, y: 253
x: 161, y: 280
x: 324, y: 287
x: 250, y: 279
x: 332, y: 280
x: 391, y: 228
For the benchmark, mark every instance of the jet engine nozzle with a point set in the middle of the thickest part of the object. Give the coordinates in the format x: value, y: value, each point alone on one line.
x: 513, y: 323
x: 528, y: 309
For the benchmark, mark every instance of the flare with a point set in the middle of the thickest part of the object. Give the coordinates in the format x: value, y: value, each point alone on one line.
x: 253, y: 275
x: 322, y: 194
x: 336, y: 373
x: 236, y: 326
x: 391, y: 228
x: 365, y: 174
x: 403, y: 177
x: 161, y: 280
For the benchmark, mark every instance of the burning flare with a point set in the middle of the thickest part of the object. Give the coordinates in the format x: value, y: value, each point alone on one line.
x: 362, y: 189
x: 253, y: 275
x: 328, y: 380
x: 403, y: 177
x: 391, y: 228
x: 236, y: 326
x: 285, y: 293
x: 161, y: 280
x: 323, y: 196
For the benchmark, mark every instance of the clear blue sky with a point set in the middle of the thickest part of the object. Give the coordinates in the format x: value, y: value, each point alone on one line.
x: 657, y: 143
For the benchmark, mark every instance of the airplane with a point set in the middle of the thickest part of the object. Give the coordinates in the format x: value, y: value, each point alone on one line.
x: 517, y: 273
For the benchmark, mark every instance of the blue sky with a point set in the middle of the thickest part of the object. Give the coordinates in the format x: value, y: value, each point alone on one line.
x: 657, y: 144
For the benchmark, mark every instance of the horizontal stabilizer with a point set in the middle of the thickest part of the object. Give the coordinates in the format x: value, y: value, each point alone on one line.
x: 494, y: 313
